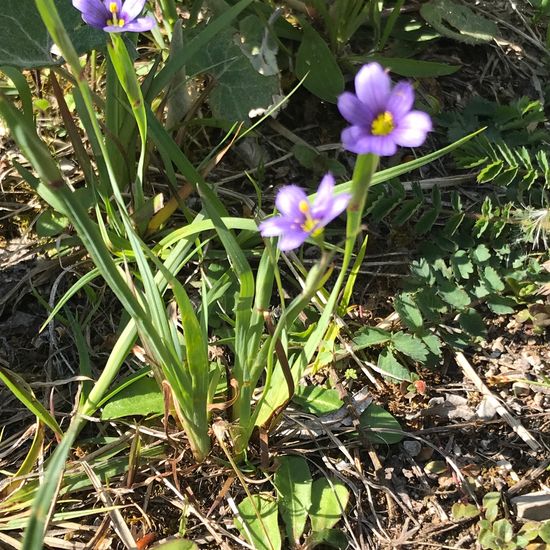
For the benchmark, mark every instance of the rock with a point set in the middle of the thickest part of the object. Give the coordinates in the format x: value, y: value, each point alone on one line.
x: 521, y: 389
x: 533, y: 506
x: 412, y: 447
x: 486, y: 409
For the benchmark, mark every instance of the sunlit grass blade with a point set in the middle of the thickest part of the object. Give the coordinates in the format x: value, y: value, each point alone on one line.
x: 23, y: 392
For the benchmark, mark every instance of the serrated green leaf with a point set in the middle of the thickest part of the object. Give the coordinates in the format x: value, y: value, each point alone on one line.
x: 377, y: 418
x: 408, y: 311
x: 490, y: 171
x: 383, y: 205
x: 314, y: 59
x: 391, y: 367
x: 481, y: 254
x: 426, y: 221
x: 472, y: 323
x: 239, y: 89
x: 141, y: 398
x: 492, y: 278
x: 318, y: 400
x: 261, y: 532
x: 407, y: 210
x: 410, y: 345
x: 461, y: 264
x: 329, y: 499
x: 370, y: 336
x: 453, y: 294
x: 294, y: 487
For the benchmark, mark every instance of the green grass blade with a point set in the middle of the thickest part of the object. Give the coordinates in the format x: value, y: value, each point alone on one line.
x: 23, y: 392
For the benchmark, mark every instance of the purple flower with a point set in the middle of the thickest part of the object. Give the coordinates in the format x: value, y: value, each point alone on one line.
x: 381, y: 118
x: 114, y: 15
x: 299, y: 218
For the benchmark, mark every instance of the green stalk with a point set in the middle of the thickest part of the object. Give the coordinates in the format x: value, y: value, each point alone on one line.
x: 275, y: 392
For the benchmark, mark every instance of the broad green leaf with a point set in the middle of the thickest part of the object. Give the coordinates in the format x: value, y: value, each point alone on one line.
x: 329, y: 499
x: 318, y: 400
x: 239, y: 91
x: 141, y: 398
x: 24, y: 41
x: 328, y: 537
x: 410, y: 346
x: 259, y: 513
x: 50, y: 223
x: 472, y: 323
x: 531, y: 530
x: 408, y: 67
x: 544, y: 532
x: 502, y: 529
x: 293, y: 483
x: 23, y: 392
x: 314, y: 59
x: 178, y: 545
x: 464, y: 511
x: 501, y: 305
x: 408, y: 311
x: 458, y: 21
x: 370, y: 336
x: 377, y: 418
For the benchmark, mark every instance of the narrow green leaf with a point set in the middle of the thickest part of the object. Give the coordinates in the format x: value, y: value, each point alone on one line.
x: 23, y: 392
x: 293, y: 483
x: 316, y: 63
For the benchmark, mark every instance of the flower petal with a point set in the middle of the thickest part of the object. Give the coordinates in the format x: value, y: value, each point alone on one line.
x: 357, y: 140
x: 353, y: 110
x: 324, y: 197
x: 93, y: 12
x: 288, y: 201
x: 131, y: 9
x: 275, y: 226
x: 292, y: 239
x: 142, y: 24
x: 412, y: 129
x: 114, y: 28
x: 339, y: 204
x: 401, y: 100
x: 372, y: 86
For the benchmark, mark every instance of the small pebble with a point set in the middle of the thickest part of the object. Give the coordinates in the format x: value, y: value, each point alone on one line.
x: 412, y: 447
x: 521, y: 389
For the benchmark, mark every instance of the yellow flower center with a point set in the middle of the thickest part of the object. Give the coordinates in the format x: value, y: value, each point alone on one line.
x: 310, y: 223
x: 382, y: 125
x: 113, y: 8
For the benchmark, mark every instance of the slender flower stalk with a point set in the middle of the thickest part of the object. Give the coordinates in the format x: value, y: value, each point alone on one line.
x: 299, y: 218
x: 114, y: 15
x: 381, y: 118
